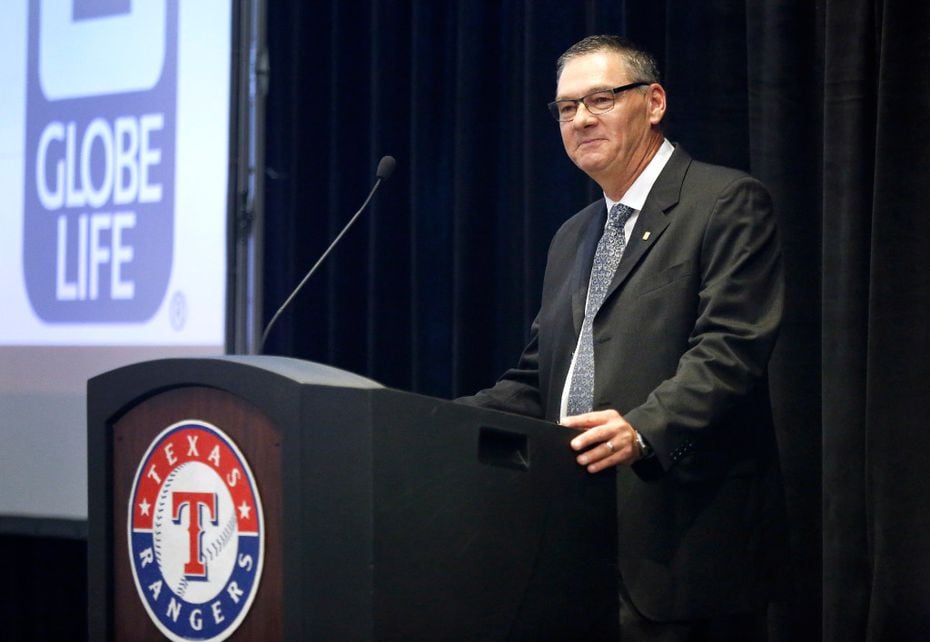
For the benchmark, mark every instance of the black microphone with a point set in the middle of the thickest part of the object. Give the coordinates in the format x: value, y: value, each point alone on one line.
x: 385, y: 168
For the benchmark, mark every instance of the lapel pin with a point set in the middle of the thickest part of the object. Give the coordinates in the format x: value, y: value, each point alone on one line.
x: 646, y: 236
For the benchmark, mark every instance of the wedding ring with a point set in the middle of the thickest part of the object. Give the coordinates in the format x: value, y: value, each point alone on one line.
x: 609, y: 445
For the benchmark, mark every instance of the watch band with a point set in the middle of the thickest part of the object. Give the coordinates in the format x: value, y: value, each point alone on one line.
x: 644, y: 448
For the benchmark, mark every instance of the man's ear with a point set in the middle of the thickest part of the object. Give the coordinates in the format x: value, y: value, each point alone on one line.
x: 656, y: 103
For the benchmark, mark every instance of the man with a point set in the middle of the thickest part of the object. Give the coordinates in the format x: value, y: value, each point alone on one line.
x: 660, y: 307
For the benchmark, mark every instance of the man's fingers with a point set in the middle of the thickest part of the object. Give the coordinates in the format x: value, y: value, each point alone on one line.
x: 590, y: 419
x: 605, y: 440
x: 607, y: 446
x: 600, y: 457
x: 601, y: 464
x: 593, y: 436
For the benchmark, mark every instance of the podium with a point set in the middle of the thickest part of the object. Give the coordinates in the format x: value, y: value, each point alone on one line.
x: 352, y: 511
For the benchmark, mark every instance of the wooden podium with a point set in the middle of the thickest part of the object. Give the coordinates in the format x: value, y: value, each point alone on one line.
x: 385, y: 515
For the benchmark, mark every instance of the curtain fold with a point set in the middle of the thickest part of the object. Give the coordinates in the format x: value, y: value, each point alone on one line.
x: 848, y: 167
x: 897, y: 374
x: 783, y: 57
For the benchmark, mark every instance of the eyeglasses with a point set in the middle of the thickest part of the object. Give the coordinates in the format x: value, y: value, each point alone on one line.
x: 597, y: 102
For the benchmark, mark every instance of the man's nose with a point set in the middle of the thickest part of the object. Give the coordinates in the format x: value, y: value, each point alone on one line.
x: 583, y: 117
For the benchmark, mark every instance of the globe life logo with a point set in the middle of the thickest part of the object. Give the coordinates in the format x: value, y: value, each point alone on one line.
x: 100, y: 153
x: 127, y: 156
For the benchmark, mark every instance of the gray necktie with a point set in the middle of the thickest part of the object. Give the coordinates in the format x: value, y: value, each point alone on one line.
x: 606, y: 258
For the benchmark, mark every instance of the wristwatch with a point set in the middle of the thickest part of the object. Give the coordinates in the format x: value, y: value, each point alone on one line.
x: 644, y: 448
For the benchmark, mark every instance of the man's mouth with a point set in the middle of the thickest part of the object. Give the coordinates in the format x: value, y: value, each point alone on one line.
x: 588, y: 142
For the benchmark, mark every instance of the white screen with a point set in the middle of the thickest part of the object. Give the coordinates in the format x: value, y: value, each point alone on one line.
x: 114, y: 154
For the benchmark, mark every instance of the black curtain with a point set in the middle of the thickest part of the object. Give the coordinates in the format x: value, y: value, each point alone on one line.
x: 876, y: 311
x: 435, y: 289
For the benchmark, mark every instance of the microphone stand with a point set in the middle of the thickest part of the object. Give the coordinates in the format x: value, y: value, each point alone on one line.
x: 385, y: 169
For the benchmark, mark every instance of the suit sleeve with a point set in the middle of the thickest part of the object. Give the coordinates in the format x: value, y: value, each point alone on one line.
x: 517, y: 390
x: 740, y: 305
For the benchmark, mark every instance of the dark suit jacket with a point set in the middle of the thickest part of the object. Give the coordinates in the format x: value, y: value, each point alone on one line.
x: 682, y: 343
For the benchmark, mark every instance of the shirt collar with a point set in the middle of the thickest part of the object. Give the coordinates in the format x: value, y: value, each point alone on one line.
x: 635, y: 197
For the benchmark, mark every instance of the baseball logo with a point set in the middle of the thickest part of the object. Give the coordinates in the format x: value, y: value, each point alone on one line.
x: 196, y: 535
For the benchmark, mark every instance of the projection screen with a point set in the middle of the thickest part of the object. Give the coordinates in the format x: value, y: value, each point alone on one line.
x: 114, y: 170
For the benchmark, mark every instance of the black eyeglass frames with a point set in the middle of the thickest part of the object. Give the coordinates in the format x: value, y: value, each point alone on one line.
x: 597, y: 102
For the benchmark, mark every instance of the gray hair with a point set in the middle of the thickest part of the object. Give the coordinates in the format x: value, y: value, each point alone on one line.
x: 640, y: 63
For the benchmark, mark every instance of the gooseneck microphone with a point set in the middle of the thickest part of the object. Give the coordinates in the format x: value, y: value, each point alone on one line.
x: 385, y: 168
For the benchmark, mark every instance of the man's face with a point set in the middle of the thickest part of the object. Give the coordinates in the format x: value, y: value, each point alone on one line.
x: 612, y: 145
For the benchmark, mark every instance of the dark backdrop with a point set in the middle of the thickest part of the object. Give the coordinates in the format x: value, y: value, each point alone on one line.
x: 826, y: 102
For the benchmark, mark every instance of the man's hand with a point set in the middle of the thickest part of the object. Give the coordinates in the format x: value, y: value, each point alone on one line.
x: 607, y: 439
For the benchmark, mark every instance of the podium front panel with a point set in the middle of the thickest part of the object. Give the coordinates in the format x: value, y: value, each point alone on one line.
x: 260, y: 443
x: 387, y: 515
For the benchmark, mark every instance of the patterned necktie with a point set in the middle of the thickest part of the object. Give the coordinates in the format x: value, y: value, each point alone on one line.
x: 606, y: 258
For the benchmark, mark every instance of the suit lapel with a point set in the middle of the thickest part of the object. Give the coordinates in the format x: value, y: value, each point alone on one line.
x: 649, y: 227
x: 653, y: 218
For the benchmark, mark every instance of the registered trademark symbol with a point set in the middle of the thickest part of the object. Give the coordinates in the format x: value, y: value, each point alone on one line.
x: 178, y: 311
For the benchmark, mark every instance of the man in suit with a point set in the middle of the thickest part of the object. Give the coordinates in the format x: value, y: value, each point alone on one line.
x: 660, y: 307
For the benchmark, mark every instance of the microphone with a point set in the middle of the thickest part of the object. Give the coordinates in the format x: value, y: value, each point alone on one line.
x: 385, y: 168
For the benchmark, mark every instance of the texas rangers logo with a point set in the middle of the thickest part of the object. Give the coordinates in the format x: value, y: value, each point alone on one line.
x: 196, y: 535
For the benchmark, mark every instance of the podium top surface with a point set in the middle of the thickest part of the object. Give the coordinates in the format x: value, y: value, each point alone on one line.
x: 296, y: 370
x: 305, y: 371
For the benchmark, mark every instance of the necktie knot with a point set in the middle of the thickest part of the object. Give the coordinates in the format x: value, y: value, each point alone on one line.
x: 618, y: 215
